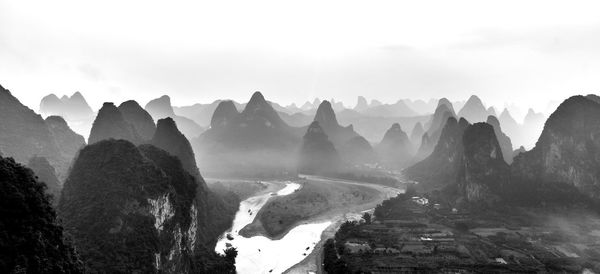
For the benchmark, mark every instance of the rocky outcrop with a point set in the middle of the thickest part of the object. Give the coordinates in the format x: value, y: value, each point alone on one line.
x: 46, y: 174
x: 395, y: 148
x: 224, y: 114
x: 317, y: 154
x: 483, y: 172
x: 474, y: 110
x: 503, y: 139
x: 441, y: 168
x: 31, y: 238
x: 134, y: 208
x: 110, y: 124
x: 24, y: 134
x: 567, y: 155
x: 170, y: 139
x: 139, y: 118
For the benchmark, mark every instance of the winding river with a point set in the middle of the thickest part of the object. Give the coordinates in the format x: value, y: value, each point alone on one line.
x: 260, y: 254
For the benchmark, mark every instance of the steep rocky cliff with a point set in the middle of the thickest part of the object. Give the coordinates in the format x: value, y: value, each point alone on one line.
x: 169, y: 138
x: 567, y: 155
x: 441, y: 167
x: 483, y: 172
x: 135, y: 208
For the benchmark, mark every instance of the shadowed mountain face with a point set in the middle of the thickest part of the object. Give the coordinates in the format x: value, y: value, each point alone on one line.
x: 31, y: 239
x: 435, y: 126
x: 358, y: 151
x: 24, y: 134
x: 135, y: 208
x: 395, y: 148
x: 255, y: 142
x: 417, y: 134
x: 317, y: 154
x: 567, y: 154
x: 46, y: 174
x: 441, y: 167
x: 474, y: 110
x: 67, y: 140
x: 439, y: 118
x: 110, y: 124
x: 139, y: 118
x: 483, y: 171
x: 161, y: 108
x: 223, y: 114
x: 170, y: 139
x: 328, y: 122
x: 503, y: 139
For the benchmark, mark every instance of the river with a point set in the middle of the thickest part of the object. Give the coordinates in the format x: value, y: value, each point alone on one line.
x: 260, y: 254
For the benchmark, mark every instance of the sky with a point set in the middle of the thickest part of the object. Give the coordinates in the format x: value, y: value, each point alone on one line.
x: 507, y: 52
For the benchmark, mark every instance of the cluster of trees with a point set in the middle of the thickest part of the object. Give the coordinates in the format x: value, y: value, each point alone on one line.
x: 31, y: 240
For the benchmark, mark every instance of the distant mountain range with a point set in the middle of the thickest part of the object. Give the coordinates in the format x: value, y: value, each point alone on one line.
x: 561, y: 169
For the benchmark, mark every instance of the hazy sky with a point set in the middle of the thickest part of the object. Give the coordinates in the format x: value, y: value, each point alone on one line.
x: 526, y: 52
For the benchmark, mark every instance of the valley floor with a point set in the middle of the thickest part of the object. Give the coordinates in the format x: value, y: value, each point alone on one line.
x: 412, y: 234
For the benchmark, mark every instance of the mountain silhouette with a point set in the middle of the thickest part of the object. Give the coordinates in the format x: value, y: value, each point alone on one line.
x: 474, y: 110
x: 134, y: 208
x: 441, y: 167
x: 503, y: 139
x: 110, y: 124
x: 161, y: 108
x: 139, y: 118
x: 317, y: 154
x: 395, y: 149
x: 483, y: 171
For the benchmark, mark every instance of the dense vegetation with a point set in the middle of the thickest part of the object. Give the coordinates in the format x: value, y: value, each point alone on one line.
x: 31, y: 240
x: 134, y: 208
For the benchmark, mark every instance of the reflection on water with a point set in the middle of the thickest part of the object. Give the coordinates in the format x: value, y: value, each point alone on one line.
x: 262, y: 255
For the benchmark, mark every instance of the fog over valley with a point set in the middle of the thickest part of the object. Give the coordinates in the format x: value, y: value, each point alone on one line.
x: 312, y: 137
